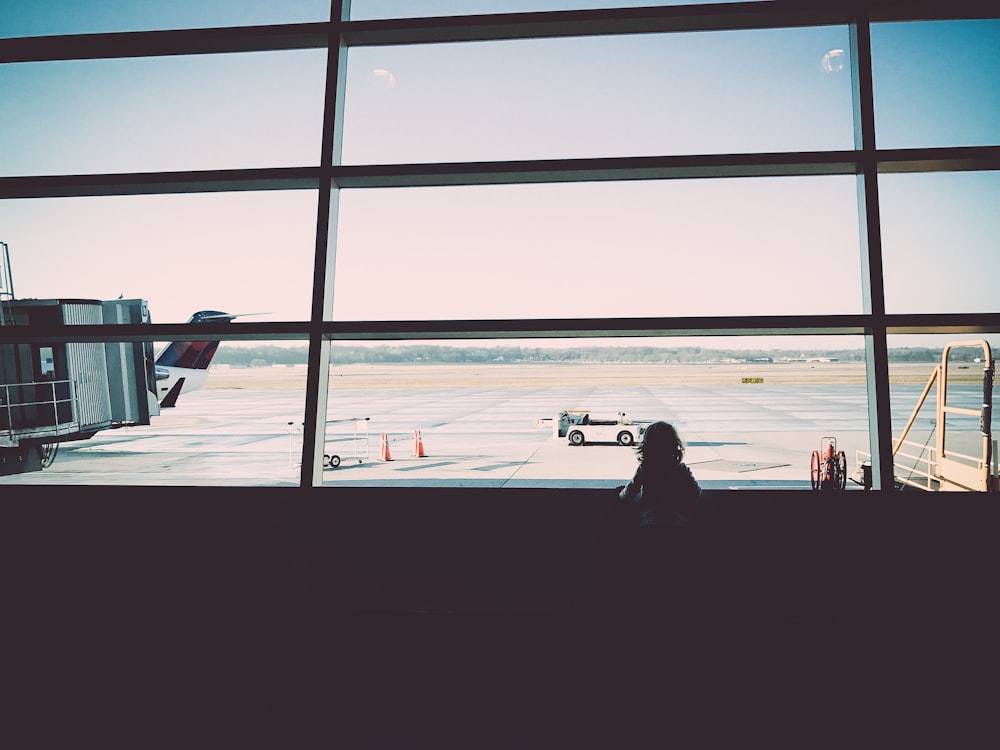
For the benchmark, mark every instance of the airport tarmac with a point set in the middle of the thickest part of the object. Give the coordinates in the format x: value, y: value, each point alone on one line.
x: 477, y: 428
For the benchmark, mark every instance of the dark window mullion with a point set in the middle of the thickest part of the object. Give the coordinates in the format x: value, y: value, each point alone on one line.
x: 317, y: 376
x: 873, y: 296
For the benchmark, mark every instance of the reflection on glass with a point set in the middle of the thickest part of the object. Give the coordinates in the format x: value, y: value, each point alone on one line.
x: 633, y: 95
x: 488, y: 413
x: 938, y: 388
x: 45, y: 17
x: 939, y: 241
x: 238, y: 253
x: 162, y: 114
x: 669, y: 248
x: 936, y: 84
x: 368, y: 9
x: 241, y: 427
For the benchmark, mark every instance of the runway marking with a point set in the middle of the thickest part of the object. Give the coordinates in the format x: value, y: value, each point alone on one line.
x: 722, y: 464
x: 505, y: 465
x: 426, y: 466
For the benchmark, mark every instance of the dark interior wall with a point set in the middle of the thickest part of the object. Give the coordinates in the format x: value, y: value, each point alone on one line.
x: 472, y: 550
x: 464, y: 617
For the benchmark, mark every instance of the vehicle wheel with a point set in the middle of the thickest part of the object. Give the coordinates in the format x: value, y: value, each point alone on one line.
x: 334, y: 461
x: 49, y: 451
x: 814, y: 470
x: 625, y: 438
x: 576, y: 438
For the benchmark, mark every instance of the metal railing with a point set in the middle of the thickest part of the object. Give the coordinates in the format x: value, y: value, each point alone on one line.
x: 38, y: 410
x: 923, y: 464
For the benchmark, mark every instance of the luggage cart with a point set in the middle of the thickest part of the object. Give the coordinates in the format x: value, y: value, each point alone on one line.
x: 333, y: 460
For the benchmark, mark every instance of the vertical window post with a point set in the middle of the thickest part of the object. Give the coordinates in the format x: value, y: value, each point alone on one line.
x: 876, y: 348
x: 318, y: 373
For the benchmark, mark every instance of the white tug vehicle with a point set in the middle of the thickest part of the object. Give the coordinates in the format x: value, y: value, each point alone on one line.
x: 579, y: 426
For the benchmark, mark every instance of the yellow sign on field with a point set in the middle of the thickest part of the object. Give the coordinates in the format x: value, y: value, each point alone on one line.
x: 753, y: 380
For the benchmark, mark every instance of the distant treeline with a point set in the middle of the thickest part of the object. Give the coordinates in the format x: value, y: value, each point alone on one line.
x: 264, y: 355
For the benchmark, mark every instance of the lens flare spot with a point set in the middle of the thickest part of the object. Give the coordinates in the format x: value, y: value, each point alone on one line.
x: 833, y: 61
x: 382, y: 79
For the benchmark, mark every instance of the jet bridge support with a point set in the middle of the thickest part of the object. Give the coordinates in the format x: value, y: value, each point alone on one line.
x: 56, y: 392
x: 960, y: 460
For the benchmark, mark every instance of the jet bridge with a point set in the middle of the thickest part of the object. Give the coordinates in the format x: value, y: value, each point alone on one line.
x: 53, y: 393
x: 959, y: 453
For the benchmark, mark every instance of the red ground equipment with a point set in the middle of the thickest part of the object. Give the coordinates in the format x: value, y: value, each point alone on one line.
x: 828, y: 470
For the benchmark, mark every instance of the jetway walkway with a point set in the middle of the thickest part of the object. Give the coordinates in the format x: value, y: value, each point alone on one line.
x: 963, y: 456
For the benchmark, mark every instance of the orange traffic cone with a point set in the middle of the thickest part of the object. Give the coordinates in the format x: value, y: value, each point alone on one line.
x: 418, y: 445
x: 384, y: 454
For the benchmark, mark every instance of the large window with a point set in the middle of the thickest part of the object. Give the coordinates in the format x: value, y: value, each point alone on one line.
x: 144, y: 114
x: 503, y: 413
x: 420, y: 236
x: 633, y: 95
x: 937, y: 84
x: 599, y: 250
x: 241, y: 252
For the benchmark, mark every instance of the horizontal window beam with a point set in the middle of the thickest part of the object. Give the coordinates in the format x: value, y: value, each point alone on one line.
x: 930, y: 10
x: 160, y: 43
x: 693, y: 18
x: 393, y: 330
x: 780, y: 325
x: 679, y: 18
x: 959, y: 159
x: 601, y: 169
x: 154, y: 332
x: 503, y: 172
x: 945, y: 323
x: 797, y: 164
x: 727, y: 16
x: 150, y: 183
x: 492, y: 27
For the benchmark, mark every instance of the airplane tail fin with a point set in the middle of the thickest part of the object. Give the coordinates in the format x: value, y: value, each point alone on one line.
x: 170, y: 399
x: 193, y: 355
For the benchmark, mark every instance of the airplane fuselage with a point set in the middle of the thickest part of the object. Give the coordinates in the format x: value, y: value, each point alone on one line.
x: 167, y: 378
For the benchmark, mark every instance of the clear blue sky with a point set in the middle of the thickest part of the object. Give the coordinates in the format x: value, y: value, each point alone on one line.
x: 43, y: 17
x: 673, y: 248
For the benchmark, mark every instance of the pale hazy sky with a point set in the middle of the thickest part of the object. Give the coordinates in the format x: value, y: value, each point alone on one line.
x: 760, y: 246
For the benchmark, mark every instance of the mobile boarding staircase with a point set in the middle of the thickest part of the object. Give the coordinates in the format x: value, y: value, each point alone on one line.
x: 969, y: 462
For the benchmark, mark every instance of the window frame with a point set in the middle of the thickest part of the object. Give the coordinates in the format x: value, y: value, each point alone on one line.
x: 337, y: 35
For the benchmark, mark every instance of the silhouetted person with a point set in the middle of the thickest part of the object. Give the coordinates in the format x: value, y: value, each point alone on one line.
x: 663, y: 486
x: 665, y: 494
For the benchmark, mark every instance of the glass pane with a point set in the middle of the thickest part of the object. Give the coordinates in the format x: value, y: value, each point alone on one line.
x: 240, y: 253
x: 921, y: 433
x: 366, y: 9
x: 670, y: 248
x: 162, y: 114
x: 937, y: 84
x: 939, y: 241
x: 241, y: 426
x: 487, y: 413
x: 45, y: 17
x: 633, y: 95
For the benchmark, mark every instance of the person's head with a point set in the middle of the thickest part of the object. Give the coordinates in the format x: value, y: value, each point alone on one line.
x: 660, y: 442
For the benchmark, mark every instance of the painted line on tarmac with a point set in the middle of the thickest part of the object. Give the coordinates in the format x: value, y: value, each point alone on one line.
x: 418, y: 467
x: 505, y: 465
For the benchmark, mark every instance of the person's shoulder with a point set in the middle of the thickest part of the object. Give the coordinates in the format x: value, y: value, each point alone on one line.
x: 688, y: 475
